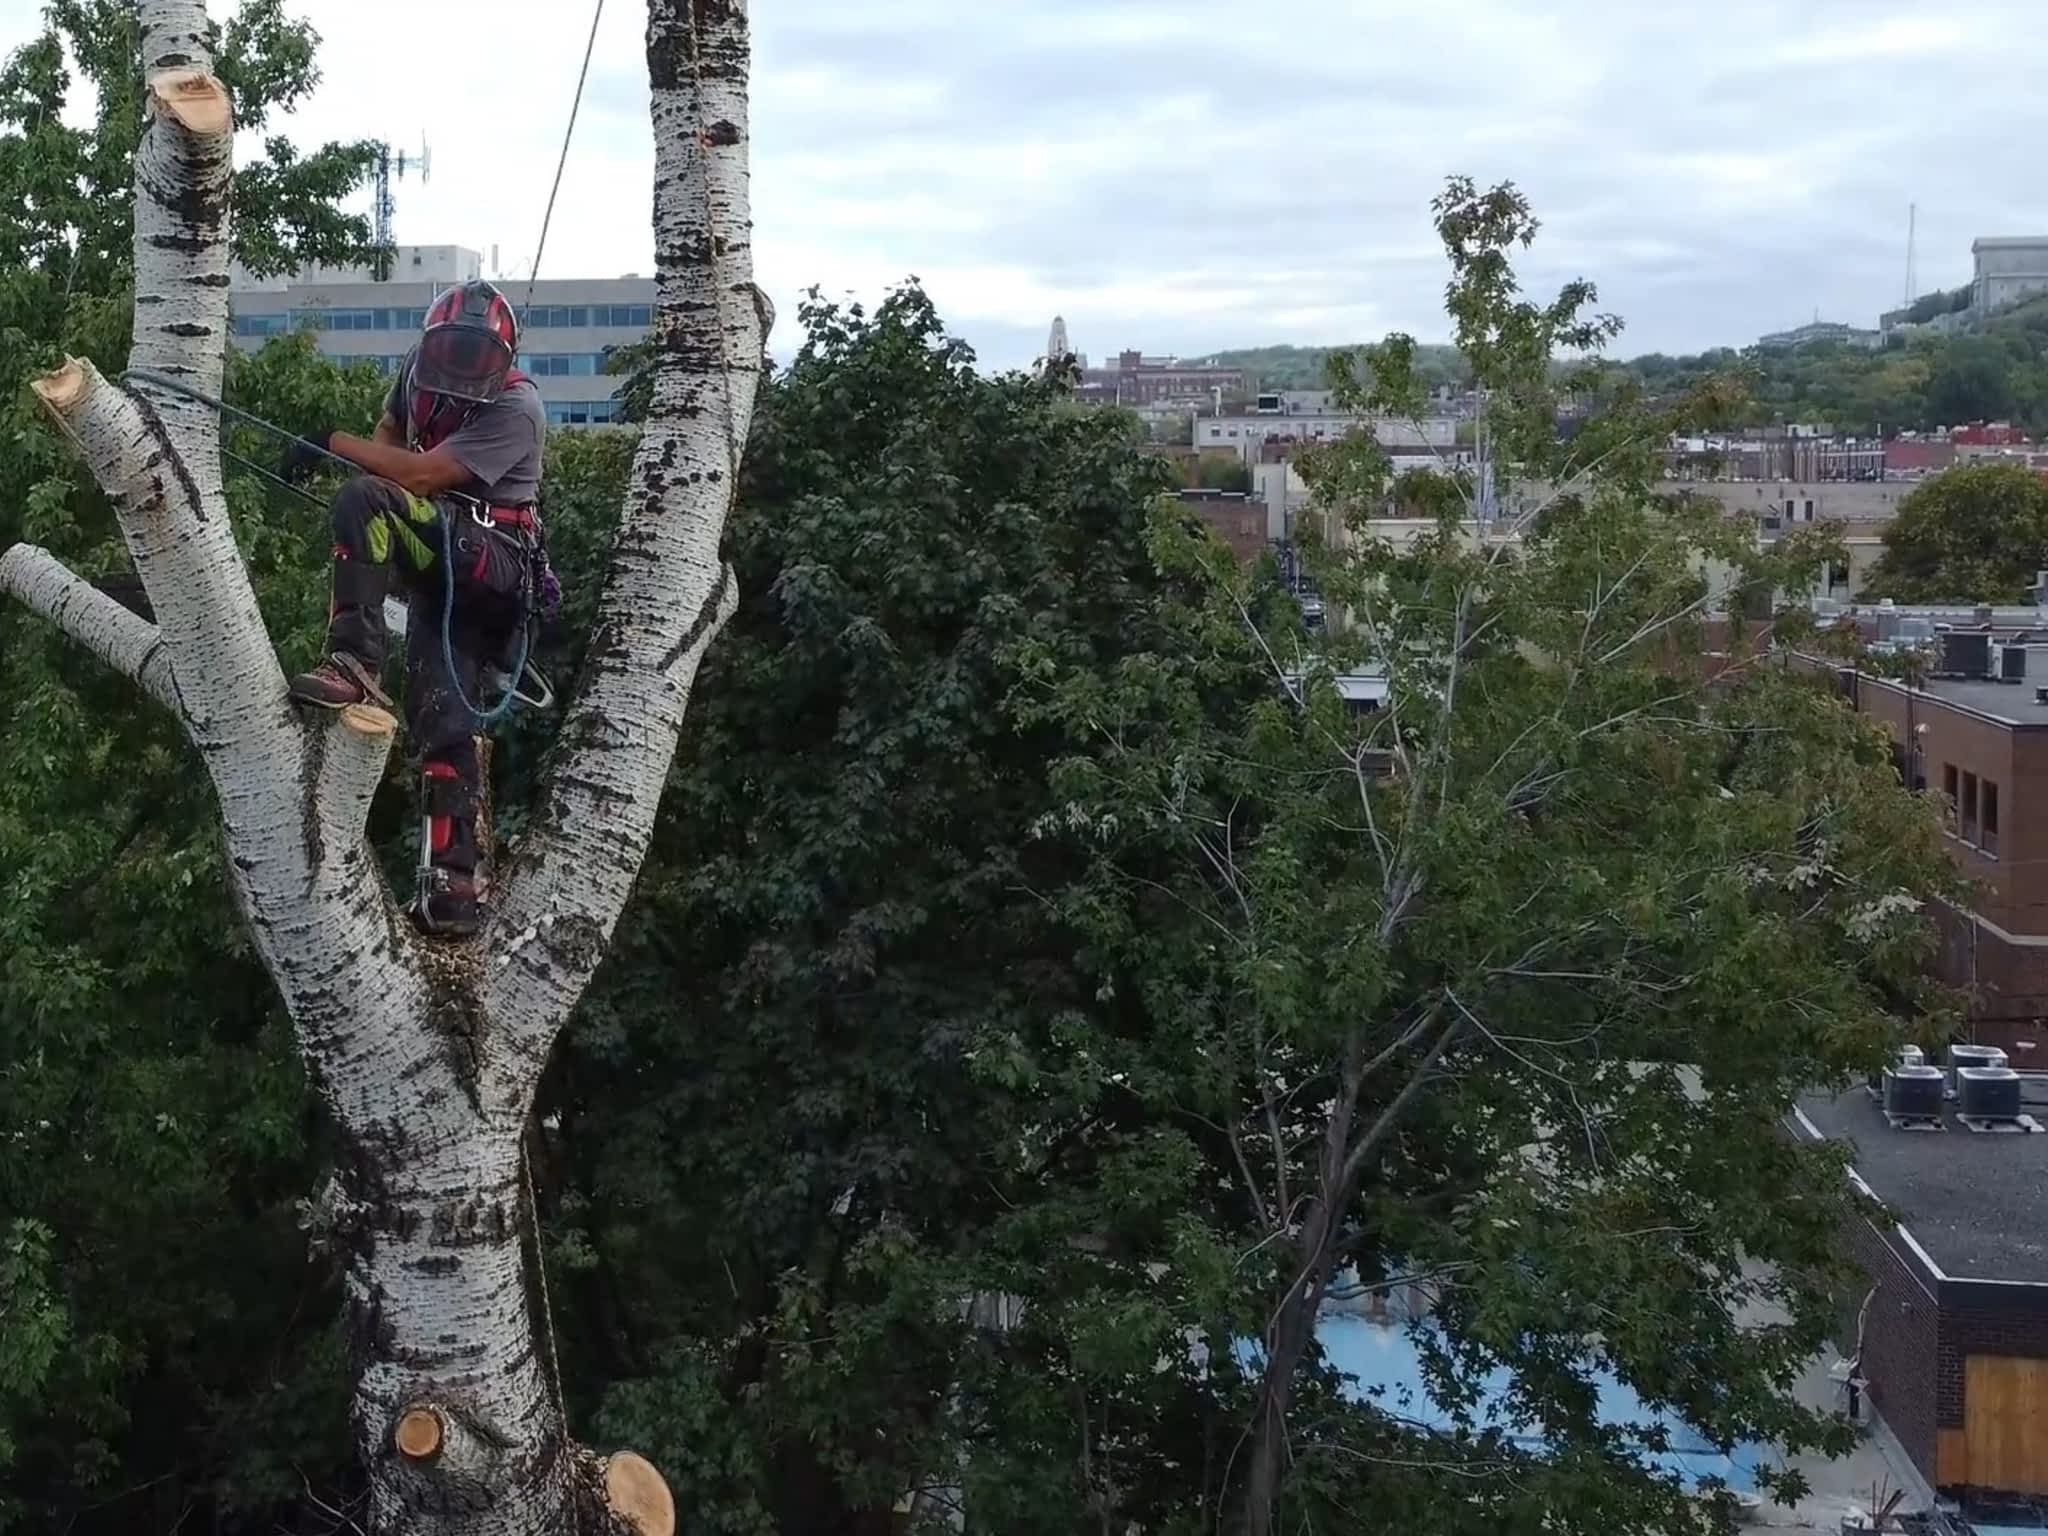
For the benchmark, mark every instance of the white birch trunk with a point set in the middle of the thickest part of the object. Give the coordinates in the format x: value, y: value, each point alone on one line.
x: 427, y: 1054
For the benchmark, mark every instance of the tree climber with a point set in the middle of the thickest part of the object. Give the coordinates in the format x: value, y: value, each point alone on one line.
x: 446, y: 507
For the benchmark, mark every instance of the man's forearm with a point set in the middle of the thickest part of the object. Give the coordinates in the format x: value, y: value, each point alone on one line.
x: 416, y: 472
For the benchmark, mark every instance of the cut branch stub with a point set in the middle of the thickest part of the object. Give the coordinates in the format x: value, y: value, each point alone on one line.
x: 60, y: 389
x: 418, y: 1435
x: 195, y: 100
x: 638, y: 1494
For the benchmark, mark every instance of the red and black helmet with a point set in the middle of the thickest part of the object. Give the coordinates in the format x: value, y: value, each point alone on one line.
x: 469, y: 344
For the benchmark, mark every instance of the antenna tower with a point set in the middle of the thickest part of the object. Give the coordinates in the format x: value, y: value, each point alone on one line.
x: 392, y: 165
x: 1912, y: 232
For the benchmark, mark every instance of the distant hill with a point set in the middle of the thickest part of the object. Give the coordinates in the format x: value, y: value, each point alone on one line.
x: 1998, y: 370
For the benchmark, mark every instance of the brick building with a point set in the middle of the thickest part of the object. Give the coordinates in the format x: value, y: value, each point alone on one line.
x: 1239, y: 519
x: 1951, y: 1335
x: 1907, y: 456
x: 1140, y: 380
x: 1983, y: 745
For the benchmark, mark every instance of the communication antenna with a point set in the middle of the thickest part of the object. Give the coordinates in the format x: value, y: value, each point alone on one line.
x: 1912, y: 231
x: 392, y: 165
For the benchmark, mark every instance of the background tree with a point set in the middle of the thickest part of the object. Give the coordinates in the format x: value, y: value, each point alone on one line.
x: 1977, y: 534
x: 1223, y: 472
x: 846, y: 928
x: 1501, y: 991
x: 1969, y: 384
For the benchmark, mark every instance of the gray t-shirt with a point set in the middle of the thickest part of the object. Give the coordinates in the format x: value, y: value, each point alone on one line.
x: 500, y: 443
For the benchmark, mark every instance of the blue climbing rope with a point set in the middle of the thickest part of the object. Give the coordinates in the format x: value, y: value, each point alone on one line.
x: 504, y: 705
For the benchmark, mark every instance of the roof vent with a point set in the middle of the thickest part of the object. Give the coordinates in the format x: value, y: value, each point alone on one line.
x: 1912, y: 1097
x: 1988, y: 1099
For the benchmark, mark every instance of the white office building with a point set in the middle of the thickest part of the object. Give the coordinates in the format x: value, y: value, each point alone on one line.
x: 571, y: 327
x: 1246, y: 435
x: 2009, y: 268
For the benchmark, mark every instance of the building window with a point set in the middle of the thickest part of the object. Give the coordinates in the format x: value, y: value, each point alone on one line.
x: 1969, y: 808
x: 557, y: 365
x: 582, y: 413
x: 1951, y: 793
x: 1989, y: 806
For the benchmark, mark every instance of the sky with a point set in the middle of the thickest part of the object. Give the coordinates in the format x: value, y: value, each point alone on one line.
x: 1186, y: 176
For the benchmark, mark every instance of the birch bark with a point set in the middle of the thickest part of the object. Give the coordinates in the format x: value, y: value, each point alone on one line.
x: 427, y: 1055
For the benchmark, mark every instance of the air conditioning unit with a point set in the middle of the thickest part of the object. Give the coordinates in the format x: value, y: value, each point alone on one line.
x: 1913, y: 1093
x: 1965, y: 653
x: 2012, y: 664
x: 1988, y: 1094
x: 1906, y: 1056
x: 1960, y: 1056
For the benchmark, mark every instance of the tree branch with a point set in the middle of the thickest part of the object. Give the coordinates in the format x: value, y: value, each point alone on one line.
x: 1390, y: 1117
x: 666, y: 592
x: 352, y: 763
x: 127, y: 643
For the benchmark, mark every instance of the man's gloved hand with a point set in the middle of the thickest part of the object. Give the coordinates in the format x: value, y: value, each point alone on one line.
x: 303, y: 456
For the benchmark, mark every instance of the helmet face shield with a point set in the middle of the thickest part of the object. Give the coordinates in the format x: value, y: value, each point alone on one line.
x: 464, y: 362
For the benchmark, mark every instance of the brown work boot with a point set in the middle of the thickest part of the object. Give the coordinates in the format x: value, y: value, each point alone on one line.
x: 339, y: 681
x: 448, y: 905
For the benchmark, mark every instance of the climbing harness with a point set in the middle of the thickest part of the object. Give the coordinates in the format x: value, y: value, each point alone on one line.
x: 532, y: 554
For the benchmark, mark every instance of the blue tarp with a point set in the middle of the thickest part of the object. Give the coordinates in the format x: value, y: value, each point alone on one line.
x: 1384, y: 1362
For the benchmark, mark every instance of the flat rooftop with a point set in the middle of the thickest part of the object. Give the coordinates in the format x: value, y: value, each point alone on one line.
x: 1977, y: 1204
x: 2011, y: 702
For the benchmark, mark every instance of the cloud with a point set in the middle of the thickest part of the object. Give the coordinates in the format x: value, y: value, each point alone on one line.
x: 1188, y: 175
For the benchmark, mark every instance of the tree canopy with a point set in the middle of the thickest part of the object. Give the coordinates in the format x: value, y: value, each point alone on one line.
x: 1975, y: 534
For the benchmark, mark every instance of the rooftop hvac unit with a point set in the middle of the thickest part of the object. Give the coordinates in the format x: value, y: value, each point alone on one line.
x: 1988, y: 1093
x: 1964, y: 1055
x: 1906, y: 1056
x: 1913, y: 1093
x: 2012, y: 664
x: 1965, y: 653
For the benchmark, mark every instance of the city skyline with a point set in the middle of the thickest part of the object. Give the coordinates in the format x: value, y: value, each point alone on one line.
x: 1184, y: 178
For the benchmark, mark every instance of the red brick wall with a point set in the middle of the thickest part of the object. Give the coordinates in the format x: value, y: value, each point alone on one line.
x: 1240, y: 524
x: 1901, y: 1339
x: 1991, y: 1320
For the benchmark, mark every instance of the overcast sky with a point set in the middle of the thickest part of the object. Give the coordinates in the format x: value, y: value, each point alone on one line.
x: 1198, y: 174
